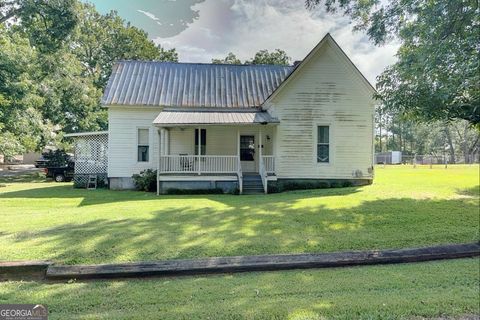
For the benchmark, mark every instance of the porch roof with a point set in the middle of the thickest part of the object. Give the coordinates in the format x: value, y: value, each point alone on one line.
x: 174, y: 118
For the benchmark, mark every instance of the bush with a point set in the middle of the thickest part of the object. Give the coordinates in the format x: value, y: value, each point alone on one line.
x: 235, y: 191
x: 146, y: 180
x: 194, y: 191
x: 347, y: 184
x: 273, y: 188
x: 303, y: 185
x: 57, y: 158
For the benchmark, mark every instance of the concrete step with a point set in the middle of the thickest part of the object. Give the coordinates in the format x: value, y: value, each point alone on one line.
x: 253, y: 189
x: 253, y: 183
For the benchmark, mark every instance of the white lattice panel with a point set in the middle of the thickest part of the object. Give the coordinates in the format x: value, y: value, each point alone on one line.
x: 91, y: 154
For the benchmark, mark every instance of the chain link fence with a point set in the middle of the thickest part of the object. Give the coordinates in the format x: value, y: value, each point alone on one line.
x: 426, y: 159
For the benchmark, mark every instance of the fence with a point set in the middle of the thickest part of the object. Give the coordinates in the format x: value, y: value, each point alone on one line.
x: 428, y: 159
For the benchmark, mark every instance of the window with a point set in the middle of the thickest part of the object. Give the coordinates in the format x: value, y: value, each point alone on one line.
x: 142, y: 152
x: 247, y: 148
x: 323, y: 144
x: 203, y: 141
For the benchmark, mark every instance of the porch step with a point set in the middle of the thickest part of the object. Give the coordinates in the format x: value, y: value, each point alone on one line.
x: 252, y: 184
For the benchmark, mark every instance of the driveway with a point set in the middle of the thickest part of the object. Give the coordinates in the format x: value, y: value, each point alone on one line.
x: 17, y: 170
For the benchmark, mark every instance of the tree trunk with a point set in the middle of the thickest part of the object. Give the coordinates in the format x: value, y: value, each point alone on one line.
x: 380, y: 131
x: 448, y: 135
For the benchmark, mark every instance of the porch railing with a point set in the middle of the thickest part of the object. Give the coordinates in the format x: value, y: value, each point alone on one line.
x: 269, y: 163
x: 198, y: 164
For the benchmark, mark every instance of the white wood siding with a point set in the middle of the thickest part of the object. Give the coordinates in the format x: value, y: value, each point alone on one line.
x: 123, y: 123
x: 326, y: 91
x: 221, y: 140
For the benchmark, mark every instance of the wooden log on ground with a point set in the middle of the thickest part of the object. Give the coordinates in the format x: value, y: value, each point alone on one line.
x: 23, y: 270
x: 261, y: 263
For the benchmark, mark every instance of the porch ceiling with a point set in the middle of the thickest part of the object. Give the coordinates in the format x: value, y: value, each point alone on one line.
x: 174, y: 118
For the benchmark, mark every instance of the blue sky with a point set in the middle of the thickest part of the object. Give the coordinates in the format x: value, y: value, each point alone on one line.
x: 204, y: 29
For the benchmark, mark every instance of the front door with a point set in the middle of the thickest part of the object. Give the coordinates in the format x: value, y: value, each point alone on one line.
x: 247, y: 153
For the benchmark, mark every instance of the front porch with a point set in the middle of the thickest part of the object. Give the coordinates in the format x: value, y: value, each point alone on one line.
x: 213, y: 155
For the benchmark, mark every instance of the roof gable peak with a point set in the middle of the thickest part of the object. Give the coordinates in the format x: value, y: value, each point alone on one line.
x: 326, y: 39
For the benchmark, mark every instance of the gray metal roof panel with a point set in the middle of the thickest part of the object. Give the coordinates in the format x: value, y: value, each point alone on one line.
x: 169, y: 84
x: 210, y: 117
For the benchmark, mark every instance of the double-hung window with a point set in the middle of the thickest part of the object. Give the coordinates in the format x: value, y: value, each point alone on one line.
x: 143, y: 145
x: 203, y: 141
x: 323, y: 144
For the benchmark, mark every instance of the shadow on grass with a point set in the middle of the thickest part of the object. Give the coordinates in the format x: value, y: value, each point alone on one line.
x: 258, y: 226
x: 470, y: 192
x: 102, y: 196
x: 31, y: 177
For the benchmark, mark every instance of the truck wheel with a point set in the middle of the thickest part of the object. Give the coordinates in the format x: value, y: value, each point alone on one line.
x: 59, y: 177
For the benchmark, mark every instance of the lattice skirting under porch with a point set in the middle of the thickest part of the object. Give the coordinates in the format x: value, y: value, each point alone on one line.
x: 81, y: 180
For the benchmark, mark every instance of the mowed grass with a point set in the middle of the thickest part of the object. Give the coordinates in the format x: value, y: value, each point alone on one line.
x: 405, y: 207
x: 409, y: 291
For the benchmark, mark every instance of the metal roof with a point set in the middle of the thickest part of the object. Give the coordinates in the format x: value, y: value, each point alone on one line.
x: 168, y: 84
x: 166, y: 118
x: 83, y: 134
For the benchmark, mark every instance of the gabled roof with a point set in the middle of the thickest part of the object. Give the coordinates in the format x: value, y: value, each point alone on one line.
x: 197, y: 85
x: 167, y: 84
x: 326, y: 39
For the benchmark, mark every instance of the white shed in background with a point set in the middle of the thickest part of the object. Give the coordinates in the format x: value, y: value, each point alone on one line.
x: 390, y: 157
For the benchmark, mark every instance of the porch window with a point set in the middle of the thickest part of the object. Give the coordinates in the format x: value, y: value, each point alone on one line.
x: 143, y: 146
x: 203, y: 141
x: 323, y: 144
x: 247, y: 148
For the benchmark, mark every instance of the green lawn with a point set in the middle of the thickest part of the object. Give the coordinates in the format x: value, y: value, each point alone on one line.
x: 405, y: 207
x: 442, y: 288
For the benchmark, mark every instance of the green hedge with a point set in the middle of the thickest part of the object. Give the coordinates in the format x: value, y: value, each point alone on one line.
x: 281, y: 186
x: 194, y: 191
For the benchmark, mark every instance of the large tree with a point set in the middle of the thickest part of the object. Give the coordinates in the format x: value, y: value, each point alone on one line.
x: 47, y: 23
x: 50, y: 81
x: 100, y: 40
x: 22, y: 126
x: 437, y: 73
x: 278, y: 57
x: 231, y: 58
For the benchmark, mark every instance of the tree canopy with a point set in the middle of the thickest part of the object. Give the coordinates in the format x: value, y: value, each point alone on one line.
x: 46, y: 23
x: 437, y: 73
x: 231, y: 58
x: 55, y: 59
x: 278, y: 57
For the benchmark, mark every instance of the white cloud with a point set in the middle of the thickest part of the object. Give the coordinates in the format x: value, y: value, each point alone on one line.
x: 246, y: 26
x: 150, y: 15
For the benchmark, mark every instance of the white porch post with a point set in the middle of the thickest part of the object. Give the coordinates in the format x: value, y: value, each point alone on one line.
x: 238, y: 142
x: 260, y: 146
x: 199, y: 140
x: 167, y: 142
x: 160, y: 147
x: 274, y: 148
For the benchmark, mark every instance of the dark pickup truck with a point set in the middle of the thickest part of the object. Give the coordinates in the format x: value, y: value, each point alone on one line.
x: 61, y: 174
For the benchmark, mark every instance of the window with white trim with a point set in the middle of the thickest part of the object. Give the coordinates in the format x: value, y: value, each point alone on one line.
x: 143, y: 145
x: 323, y: 144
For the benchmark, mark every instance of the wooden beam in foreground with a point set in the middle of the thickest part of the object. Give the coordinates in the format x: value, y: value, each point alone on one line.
x: 261, y: 263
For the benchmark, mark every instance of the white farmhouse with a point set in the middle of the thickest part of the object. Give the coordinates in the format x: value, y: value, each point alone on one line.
x: 241, y: 127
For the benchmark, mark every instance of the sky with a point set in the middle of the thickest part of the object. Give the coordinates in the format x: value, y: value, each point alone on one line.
x: 204, y: 29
